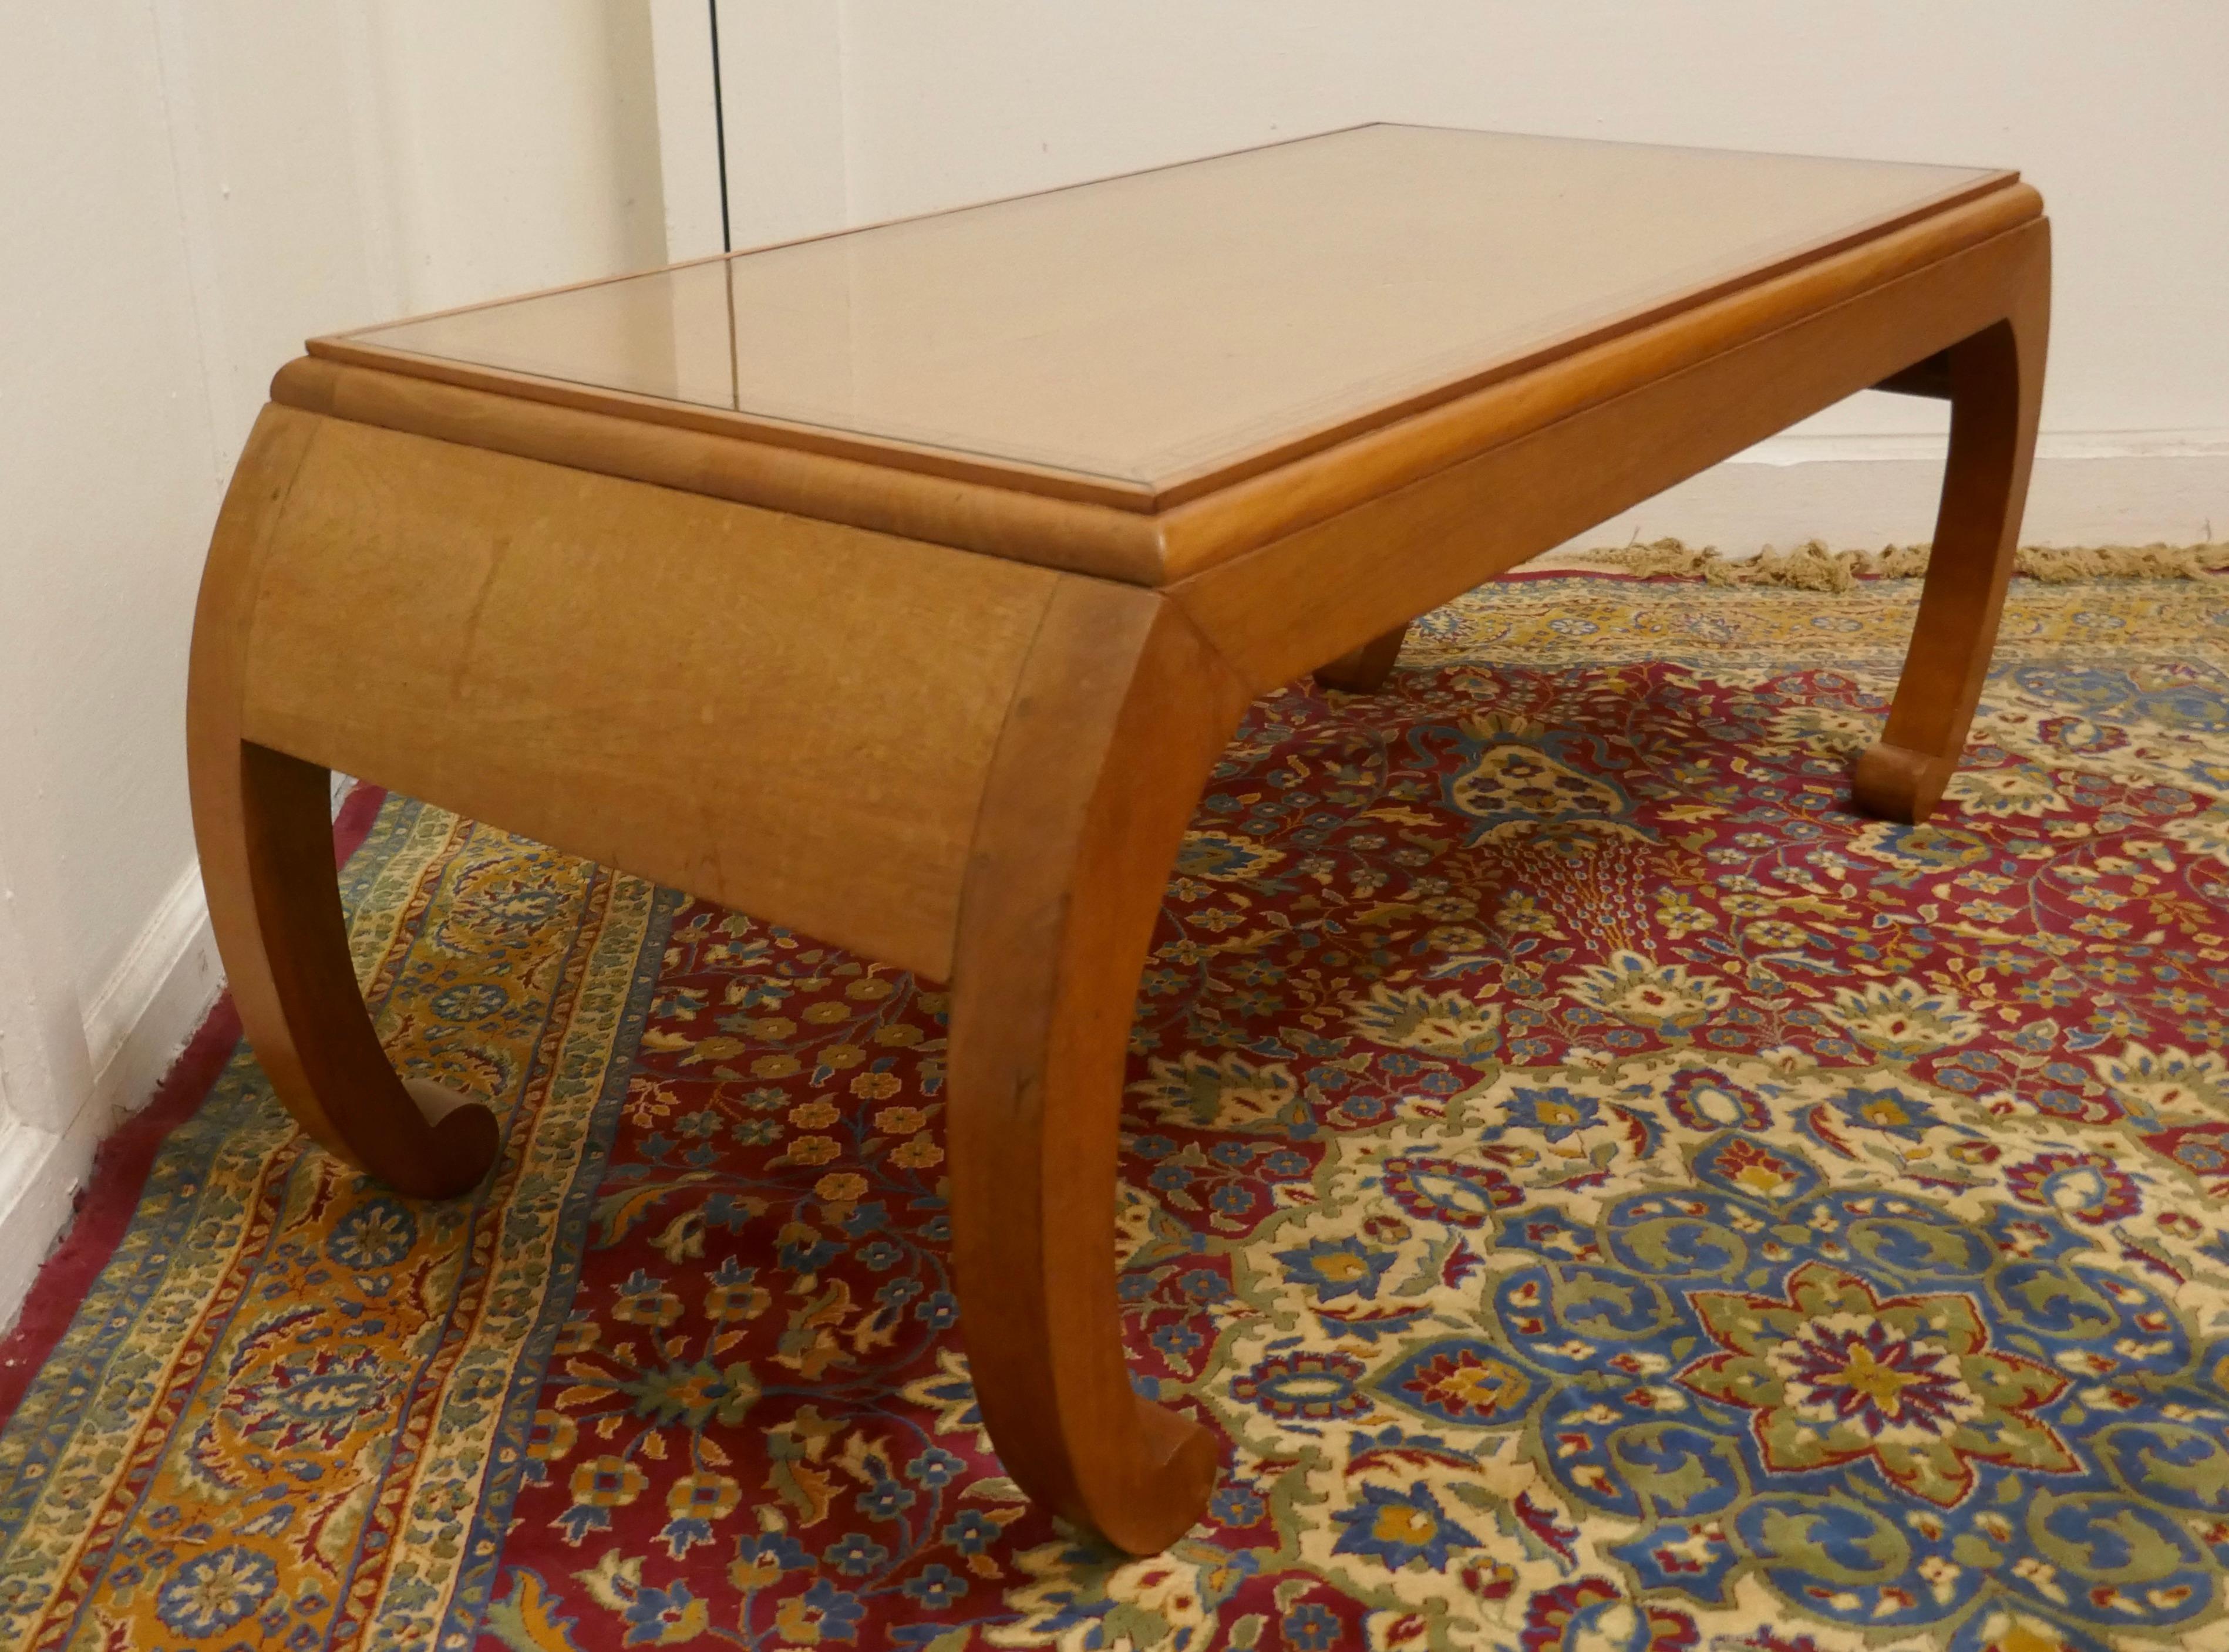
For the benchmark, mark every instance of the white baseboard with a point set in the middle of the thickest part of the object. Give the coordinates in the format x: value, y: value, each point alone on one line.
x: 1807, y: 447
x: 1861, y: 491
x: 145, y: 1013
x: 40, y: 1173
x: 136, y: 1027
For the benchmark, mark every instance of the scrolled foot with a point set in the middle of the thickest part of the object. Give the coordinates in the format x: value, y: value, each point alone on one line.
x: 1118, y: 717
x: 1178, y: 1463
x: 463, y: 1140
x: 1892, y: 783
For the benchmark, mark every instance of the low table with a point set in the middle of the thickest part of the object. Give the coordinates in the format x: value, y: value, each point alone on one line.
x: 903, y: 586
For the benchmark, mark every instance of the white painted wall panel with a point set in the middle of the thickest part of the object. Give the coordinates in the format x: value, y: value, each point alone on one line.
x: 193, y: 186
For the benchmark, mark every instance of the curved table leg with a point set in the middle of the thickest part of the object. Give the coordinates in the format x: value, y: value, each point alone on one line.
x: 1120, y: 712
x: 1996, y: 390
x: 263, y: 824
x: 274, y: 903
x: 1363, y: 670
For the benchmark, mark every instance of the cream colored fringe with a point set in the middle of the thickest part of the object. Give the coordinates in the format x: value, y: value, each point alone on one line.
x: 1813, y: 568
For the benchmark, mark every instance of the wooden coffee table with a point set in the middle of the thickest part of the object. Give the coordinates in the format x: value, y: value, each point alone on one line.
x: 903, y: 585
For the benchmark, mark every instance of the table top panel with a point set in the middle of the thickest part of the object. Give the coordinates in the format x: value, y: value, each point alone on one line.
x: 1150, y: 331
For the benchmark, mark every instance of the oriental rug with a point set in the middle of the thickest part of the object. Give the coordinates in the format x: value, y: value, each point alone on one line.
x: 1605, y: 1193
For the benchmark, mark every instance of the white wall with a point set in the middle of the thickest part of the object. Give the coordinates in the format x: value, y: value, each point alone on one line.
x: 192, y: 188
x: 2114, y: 110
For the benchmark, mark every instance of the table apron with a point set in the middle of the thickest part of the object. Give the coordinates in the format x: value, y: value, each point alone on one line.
x: 791, y: 717
x: 1289, y: 605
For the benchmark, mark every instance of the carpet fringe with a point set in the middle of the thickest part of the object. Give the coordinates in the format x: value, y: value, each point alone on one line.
x: 1812, y: 566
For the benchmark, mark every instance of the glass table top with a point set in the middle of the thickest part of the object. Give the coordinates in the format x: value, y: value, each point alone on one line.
x: 1166, y: 326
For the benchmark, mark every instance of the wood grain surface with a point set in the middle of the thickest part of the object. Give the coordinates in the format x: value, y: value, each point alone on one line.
x: 790, y: 717
x: 1117, y: 717
x: 1996, y: 396
x: 1287, y: 607
x: 262, y: 824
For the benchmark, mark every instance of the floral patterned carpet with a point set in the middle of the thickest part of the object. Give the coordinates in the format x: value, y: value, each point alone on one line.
x: 1605, y: 1193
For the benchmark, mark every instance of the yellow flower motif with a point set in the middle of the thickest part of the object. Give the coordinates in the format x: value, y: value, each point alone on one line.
x: 840, y: 1056
x: 897, y: 1034
x: 917, y: 1153
x: 1518, y: 913
x: 1989, y: 912
x: 555, y: 1433
x: 841, y: 1187
x: 1447, y: 909
x: 816, y: 1114
x: 774, y: 1066
x: 867, y: 989
x: 707, y: 1496
x: 814, y: 1149
x: 873, y: 1086
x: 825, y: 1012
x: 745, y: 1301
x: 653, y: 1306
x: 607, y: 1482
x: 900, y: 1121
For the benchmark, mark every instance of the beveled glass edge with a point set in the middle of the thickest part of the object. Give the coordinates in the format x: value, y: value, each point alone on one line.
x: 1140, y: 493
x: 1179, y: 485
x: 956, y: 464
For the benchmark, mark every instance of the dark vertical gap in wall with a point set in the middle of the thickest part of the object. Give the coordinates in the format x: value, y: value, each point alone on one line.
x: 720, y: 125
x: 727, y: 234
